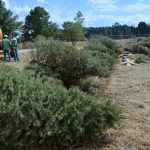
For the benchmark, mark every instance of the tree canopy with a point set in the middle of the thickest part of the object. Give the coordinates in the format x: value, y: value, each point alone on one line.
x: 8, y: 22
x: 73, y: 31
x: 143, y: 28
x: 79, y: 17
x: 35, y: 22
x: 51, y: 30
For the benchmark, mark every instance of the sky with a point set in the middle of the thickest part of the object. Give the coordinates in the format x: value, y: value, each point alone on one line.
x: 97, y: 13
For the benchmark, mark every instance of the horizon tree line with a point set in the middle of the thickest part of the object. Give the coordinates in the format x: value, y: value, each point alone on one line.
x: 37, y: 22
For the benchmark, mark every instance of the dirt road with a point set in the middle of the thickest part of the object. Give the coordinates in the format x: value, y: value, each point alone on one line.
x: 130, y: 89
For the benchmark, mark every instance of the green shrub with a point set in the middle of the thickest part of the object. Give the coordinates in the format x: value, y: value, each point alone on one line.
x: 143, y: 50
x: 28, y: 45
x: 91, y: 85
x: 42, y: 71
x: 40, y: 38
x: 100, y: 63
x: 145, y: 42
x: 140, y: 49
x: 36, y: 113
x: 103, y: 54
x: 38, y: 70
x: 67, y: 61
x: 103, y: 44
x: 142, y: 46
x: 49, y: 52
x: 141, y: 58
x: 72, y: 64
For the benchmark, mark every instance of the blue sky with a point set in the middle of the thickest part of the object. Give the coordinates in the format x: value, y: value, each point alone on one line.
x: 96, y: 12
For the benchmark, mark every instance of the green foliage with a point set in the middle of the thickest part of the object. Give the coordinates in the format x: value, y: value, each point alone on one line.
x: 143, y: 28
x: 50, y: 31
x: 73, y: 64
x: 36, y: 113
x: 91, y: 85
x: 103, y: 44
x: 145, y: 42
x: 116, y: 31
x: 100, y: 64
x: 44, y: 72
x: 79, y: 17
x: 141, y: 58
x: 49, y: 51
x: 73, y: 32
x: 142, y: 46
x: 35, y: 22
x: 143, y: 50
x: 103, y: 51
x: 70, y: 63
x: 8, y: 22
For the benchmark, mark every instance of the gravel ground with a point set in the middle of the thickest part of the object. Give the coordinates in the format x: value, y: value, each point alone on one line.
x: 129, y: 88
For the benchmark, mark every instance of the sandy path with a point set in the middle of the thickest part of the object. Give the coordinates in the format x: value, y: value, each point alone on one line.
x: 130, y: 89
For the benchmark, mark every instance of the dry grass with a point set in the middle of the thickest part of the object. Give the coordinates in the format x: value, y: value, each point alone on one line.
x: 129, y: 88
x: 122, y: 43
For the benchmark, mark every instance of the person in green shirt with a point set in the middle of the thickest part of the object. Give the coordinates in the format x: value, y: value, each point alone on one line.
x: 6, y: 47
x: 14, y: 47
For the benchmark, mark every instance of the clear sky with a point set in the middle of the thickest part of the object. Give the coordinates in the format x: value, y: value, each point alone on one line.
x: 96, y: 12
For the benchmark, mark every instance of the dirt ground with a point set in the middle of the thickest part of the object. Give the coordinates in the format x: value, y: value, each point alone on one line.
x: 129, y: 88
x: 24, y: 60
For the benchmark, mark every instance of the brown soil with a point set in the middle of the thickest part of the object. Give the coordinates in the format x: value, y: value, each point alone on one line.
x: 130, y: 89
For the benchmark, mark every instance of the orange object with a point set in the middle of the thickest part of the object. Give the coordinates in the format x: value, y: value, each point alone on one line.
x: 1, y: 38
x: 1, y: 35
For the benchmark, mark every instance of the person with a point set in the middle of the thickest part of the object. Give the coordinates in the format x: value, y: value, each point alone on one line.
x: 14, y: 47
x: 6, y: 47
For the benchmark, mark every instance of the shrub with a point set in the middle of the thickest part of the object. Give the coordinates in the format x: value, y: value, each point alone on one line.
x: 28, y: 45
x: 34, y: 113
x: 39, y: 70
x: 141, y: 58
x: 140, y: 49
x: 145, y: 42
x: 100, y: 64
x: 48, y: 52
x: 103, y: 44
x: 69, y: 62
x: 93, y: 85
x: 143, y: 50
x: 142, y: 46
x: 42, y: 71
x: 103, y: 53
x: 73, y: 64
